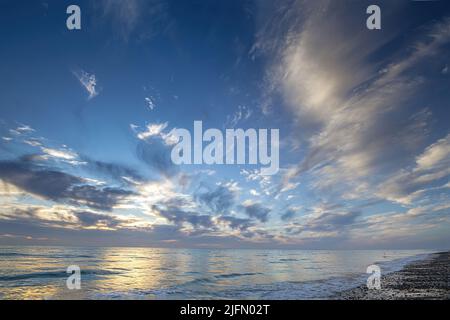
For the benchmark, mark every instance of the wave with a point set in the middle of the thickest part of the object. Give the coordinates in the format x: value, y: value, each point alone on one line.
x: 49, y: 256
x: 52, y: 274
x: 236, y: 275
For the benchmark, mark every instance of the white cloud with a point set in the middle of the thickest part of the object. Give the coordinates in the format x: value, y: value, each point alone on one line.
x: 409, y: 184
x: 88, y: 81
x: 21, y: 129
x: 150, y: 102
x: 61, y: 154
x: 435, y: 154
x: 33, y: 143
x: 242, y: 114
x: 156, y: 130
x: 152, y: 130
x: 24, y: 128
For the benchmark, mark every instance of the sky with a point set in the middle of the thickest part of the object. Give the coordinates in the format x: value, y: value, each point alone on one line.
x: 363, y: 118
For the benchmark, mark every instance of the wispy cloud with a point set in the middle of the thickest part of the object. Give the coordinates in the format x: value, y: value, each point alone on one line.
x: 352, y: 110
x: 241, y: 114
x: 88, y: 81
x: 432, y: 166
x: 151, y: 130
x: 62, y: 154
x: 361, y: 131
x: 126, y: 16
x: 150, y: 102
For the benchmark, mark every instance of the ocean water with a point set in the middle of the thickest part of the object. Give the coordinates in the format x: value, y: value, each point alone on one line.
x: 149, y: 273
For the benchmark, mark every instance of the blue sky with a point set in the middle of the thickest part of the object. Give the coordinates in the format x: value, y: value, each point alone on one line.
x: 363, y: 118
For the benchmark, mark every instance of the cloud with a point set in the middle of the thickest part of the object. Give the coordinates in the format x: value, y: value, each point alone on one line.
x: 288, y: 214
x: 242, y: 114
x: 436, y: 155
x: 326, y: 220
x: 55, y: 217
x: 431, y: 167
x: 33, y: 142
x: 264, y: 181
x: 154, y: 148
x: 61, y: 216
x: 88, y: 81
x: 49, y: 184
x: 179, y: 216
x: 59, y: 186
x: 62, y: 154
x: 152, y: 130
x: 219, y: 200
x: 445, y: 70
x: 24, y: 128
x: 116, y: 171
x: 96, y: 197
x: 150, y: 102
x: 21, y: 129
x: 157, y: 155
x: 257, y: 211
x: 236, y: 223
x: 89, y: 219
x: 160, y: 235
x: 332, y: 221
x: 125, y: 17
x: 355, y: 109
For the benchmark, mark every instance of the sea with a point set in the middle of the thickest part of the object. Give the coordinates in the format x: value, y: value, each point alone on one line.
x: 156, y: 273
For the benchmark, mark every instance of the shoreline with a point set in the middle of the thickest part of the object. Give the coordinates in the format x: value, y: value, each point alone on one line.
x: 427, y: 279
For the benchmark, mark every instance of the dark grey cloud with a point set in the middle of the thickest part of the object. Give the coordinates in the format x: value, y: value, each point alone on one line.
x: 158, y: 235
x: 156, y: 154
x: 288, y: 214
x: 330, y: 221
x: 59, y: 186
x: 175, y: 211
x: 236, y: 223
x: 179, y: 216
x: 257, y: 211
x: 94, y: 197
x: 31, y: 215
x: 218, y: 200
x: 59, y: 218
x: 88, y: 218
x: 46, y: 183
x: 339, y: 219
x: 113, y: 170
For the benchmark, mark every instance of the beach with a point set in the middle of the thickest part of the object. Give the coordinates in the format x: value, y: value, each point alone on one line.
x: 422, y: 279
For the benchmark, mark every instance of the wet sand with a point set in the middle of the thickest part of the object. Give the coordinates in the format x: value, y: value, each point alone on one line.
x: 425, y: 279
